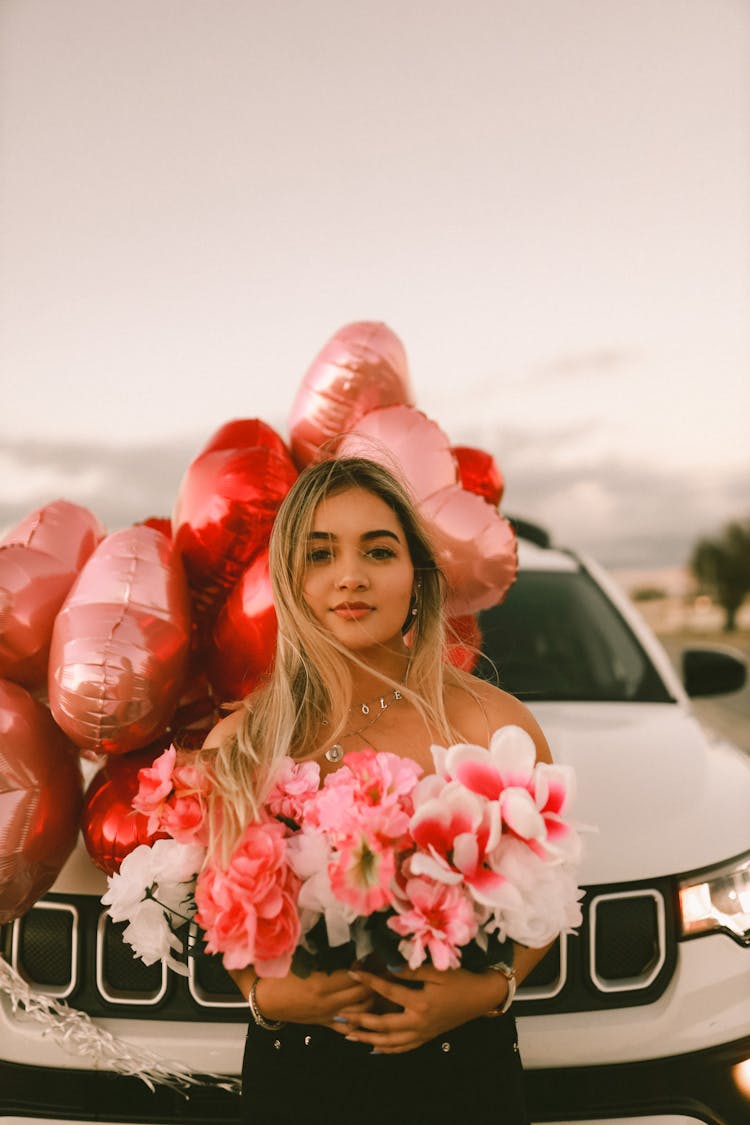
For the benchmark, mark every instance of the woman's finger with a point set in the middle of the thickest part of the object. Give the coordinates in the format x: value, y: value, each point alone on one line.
x: 398, y: 993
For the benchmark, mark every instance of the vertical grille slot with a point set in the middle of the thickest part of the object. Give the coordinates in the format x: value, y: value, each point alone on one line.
x: 547, y: 978
x: 627, y: 940
x: 121, y: 977
x: 44, y: 948
x: 210, y: 984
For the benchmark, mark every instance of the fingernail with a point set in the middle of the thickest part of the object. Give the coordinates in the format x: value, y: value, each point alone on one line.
x: 351, y: 1038
x: 375, y: 1051
x: 357, y: 976
x: 340, y: 1019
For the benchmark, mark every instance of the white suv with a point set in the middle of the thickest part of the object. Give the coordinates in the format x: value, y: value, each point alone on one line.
x: 643, y: 1016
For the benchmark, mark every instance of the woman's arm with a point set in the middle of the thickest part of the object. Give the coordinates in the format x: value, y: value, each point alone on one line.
x: 446, y: 1000
x: 316, y: 999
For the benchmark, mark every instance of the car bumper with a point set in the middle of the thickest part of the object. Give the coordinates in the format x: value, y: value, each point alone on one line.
x: 711, y: 1086
x: 703, y: 1086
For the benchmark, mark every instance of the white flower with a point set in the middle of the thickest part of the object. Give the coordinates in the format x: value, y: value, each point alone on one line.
x: 175, y: 862
x: 309, y: 856
x: 153, y: 892
x: 128, y: 888
x: 151, y: 936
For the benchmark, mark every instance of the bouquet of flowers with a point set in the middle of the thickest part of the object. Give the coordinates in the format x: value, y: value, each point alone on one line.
x: 379, y: 859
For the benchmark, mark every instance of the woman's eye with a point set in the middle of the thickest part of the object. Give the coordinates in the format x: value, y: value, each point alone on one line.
x: 381, y: 553
x: 319, y: 555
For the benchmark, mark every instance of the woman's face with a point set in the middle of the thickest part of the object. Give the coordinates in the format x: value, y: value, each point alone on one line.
x: 359, y: 575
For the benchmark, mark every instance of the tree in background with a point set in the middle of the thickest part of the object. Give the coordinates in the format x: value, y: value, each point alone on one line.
x: 722, y: 568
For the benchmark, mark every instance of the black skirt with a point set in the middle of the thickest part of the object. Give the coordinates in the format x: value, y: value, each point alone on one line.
x: 302, y: 1075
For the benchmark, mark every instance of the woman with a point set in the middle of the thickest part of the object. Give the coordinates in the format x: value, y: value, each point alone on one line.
x: 359, y: 662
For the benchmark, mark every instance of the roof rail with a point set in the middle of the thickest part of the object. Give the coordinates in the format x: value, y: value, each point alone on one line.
x: 532, y: 532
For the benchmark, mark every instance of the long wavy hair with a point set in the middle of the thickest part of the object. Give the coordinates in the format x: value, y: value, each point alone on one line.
x: 311, y: 678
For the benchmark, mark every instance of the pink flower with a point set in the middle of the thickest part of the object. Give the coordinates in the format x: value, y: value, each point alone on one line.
x: 532, y: 795
x: 438, y: 920
x: 295, y: 785
x: 455, y: 831
x: 154, y: 786
x: 249, y: 910
x: 371, y: 793
x: 172, y: 794
x: 361, y: 874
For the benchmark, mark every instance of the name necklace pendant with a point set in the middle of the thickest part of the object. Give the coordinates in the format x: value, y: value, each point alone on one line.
x: 336, y: 752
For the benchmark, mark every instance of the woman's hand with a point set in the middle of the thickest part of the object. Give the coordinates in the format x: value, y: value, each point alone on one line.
x: 445, y: 1000
x: 316, y: 999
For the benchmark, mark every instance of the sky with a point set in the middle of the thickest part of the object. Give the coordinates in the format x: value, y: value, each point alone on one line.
x: 548, y: 201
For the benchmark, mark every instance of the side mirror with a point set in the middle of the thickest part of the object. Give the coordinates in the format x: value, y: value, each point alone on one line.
x: 712, y: 671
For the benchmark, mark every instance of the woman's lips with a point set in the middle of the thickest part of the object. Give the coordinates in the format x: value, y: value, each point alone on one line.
x: 352, y: 611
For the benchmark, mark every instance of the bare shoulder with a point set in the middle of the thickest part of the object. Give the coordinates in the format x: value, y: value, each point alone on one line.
x: 476, y: 709
x: 224, y: 729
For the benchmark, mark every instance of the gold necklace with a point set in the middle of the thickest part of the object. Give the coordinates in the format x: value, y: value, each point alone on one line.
x: 336, y: 752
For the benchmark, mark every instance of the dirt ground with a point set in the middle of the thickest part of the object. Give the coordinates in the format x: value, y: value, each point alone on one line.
x: 729, y: 715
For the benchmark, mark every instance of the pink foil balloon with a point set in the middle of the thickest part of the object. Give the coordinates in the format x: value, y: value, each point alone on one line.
x: 476, y: 548
x: 244, y: 637
x: 120, y: 644
x: 478, y: 472
x: 362, y: 366
x: 406, y: 442
x: 226, y: 506
x: 40, y: 800
x: 111, y: 827
x: 39, y: 560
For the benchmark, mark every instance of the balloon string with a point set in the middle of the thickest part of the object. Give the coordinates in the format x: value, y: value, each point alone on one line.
x: 78, y: 1034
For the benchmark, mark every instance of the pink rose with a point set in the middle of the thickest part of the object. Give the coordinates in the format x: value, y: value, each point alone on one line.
x: 295, y: 786
x: 249, y: 912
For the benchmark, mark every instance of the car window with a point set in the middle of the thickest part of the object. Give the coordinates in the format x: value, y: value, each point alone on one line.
x: 557, y: 636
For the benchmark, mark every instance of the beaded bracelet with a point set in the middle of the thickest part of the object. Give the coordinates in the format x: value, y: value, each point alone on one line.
x: 255, y: 1012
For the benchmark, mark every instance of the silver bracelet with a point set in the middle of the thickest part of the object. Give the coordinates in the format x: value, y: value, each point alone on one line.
x: 255, y: 1012
x: 510, y: 975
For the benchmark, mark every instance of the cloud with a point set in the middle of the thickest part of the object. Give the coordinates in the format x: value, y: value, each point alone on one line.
x: 599, y: 362
x: 119, y: 484
x: 625, y: 514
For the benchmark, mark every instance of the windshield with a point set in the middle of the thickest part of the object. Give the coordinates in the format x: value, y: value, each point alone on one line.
x: 558, y: 637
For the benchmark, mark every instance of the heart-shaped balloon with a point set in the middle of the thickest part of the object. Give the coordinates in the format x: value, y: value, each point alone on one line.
x: 111, y: 827
x: 40, y: 800
x: 476, y: 548
x: 226, y: 507
x: 244, y: 637
x: 362, y: 366
x: 39, y: 560
x: 478, y: 472
x: 120, y: 644
x: 407, y: 443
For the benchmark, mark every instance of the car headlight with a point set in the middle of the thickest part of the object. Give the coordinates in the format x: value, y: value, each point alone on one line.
x: 718, y: 900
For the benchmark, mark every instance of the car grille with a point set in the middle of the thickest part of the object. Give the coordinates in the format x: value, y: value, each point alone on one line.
x: 624, y: 954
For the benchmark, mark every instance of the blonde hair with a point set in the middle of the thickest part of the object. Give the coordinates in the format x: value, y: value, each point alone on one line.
x: 311, y: 680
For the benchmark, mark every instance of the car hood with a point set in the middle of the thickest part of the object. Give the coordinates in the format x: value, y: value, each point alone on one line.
x: 663, y: 795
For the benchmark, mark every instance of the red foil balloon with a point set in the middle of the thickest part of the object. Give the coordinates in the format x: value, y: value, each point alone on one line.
x: 476, y: 549
x: 406, y: 442
x: 464, y: 642
x: 479, y: 472
x: 39, y: 560
x: 226, y: 506
x: 120, y: 644
x: 111, y: 827
x: 362, y: 366
x: 40, y: 800
x: 244, y: 638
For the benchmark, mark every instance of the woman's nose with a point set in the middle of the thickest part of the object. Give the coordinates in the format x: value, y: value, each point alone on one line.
x: 351, y: 575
